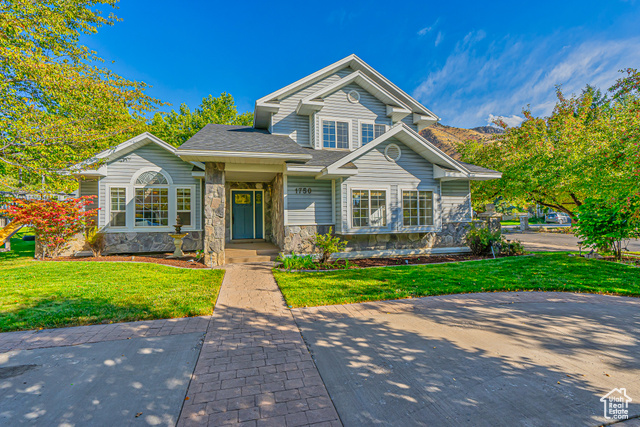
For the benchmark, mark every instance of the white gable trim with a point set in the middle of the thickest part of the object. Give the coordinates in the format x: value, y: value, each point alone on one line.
x: 269, y: 104
x: 310, y: 104
x: 406, y: 135
x: 123, y: 149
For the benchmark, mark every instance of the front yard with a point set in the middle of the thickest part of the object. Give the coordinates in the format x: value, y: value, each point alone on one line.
x: 539, y: 272
x: 36, y: 294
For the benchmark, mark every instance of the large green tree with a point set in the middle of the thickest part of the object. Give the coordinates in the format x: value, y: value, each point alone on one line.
x: 58, y: 104
x: 178, y: 126
x: 587, y: 147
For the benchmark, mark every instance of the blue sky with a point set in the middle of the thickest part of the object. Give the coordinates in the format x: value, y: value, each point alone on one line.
x: 467, y: 61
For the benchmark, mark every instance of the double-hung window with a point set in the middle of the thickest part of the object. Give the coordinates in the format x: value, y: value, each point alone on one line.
x: 417, y: 208
x: 183, y: 205
x: 368, y: 208
x: 335, y: 134
x: 118, y: 212
x: 370, y: 131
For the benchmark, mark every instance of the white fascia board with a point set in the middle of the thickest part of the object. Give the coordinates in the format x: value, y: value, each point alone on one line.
x: 242, y: 154
x: 352, y: 61
x: 310, y: 103
x: 423, y: 121
x: 310, y: 79
x: 396, y: 113
x: 262, y: 114
x: 338, y: 173
x: 307, y: 108
x: 197, y: 174
x: 357, y: 62
x: 305, y: 170
x: 400, y: 131
x: 449, y: 175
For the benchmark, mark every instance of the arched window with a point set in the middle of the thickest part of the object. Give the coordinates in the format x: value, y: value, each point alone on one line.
x: 152, y: 178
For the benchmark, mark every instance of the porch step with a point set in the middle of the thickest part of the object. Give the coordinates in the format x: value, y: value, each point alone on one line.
x: 249, y: 259
x: 247, y: 252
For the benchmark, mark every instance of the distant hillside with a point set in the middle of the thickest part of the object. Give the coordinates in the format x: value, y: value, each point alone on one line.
x: 446, y: 137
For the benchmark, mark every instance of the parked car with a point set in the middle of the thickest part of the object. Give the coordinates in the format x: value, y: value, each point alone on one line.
x: 558, y: 218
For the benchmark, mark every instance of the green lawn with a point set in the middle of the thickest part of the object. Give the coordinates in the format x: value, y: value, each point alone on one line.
x: 546, y: 272
x: 36, y: 294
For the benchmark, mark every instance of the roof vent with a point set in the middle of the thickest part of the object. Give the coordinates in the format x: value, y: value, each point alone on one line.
x: 392, y: 152
x: 353, y: 96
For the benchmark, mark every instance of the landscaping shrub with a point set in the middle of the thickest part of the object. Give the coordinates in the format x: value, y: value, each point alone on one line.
x: 297, y: 262
x: 480, y: 240
x: 328, y: 244
x: 95, y: 240
x: 54, y: 222
x: 607, y: 225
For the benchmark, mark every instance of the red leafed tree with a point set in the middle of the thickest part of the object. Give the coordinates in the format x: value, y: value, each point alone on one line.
x: 54, y: 222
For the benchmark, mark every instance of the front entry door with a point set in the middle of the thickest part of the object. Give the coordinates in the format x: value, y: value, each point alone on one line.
x: 246, y: 211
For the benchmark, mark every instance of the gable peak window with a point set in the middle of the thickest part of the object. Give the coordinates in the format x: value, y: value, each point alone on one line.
x: 335, y: 133
x: 370, y: 131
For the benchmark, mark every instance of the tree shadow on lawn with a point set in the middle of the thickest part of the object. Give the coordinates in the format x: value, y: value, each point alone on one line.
x: 65, y: 312
x: 461, y: 363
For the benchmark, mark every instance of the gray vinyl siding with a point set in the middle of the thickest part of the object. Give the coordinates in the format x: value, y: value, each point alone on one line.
x: 408, y: 120
x: 410, y: 171
x: 90, y: 188
x: 122, y: 170
x: 456, y: 201
x: 286, y: 121
x: 336, y: 105
x: 308, y: 209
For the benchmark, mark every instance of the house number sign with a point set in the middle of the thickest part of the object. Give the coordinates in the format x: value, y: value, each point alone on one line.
x: 303, y: 190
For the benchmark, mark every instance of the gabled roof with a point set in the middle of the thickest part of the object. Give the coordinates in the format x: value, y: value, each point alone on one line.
x: 122, y: 149
x: 228, y: 141
x: 270, y: 103
x: 314, y: 102
x: 421, y: 146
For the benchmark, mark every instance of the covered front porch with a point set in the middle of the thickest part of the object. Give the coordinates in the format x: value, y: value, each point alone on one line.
x: 243, y: 212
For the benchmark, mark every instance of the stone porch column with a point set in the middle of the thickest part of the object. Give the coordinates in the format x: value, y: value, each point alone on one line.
x: 214, y: 227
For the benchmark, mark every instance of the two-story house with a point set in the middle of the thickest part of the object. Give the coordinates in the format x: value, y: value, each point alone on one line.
x: 339, y: 148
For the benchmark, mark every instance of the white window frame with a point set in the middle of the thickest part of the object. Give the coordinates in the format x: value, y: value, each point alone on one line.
x: 191, y: 203
x: 370, y: 122
x: 169, y: 204
x: 369, y: 228
x: 437, y: 225
x: 108, y: 211
x: 349, y: 122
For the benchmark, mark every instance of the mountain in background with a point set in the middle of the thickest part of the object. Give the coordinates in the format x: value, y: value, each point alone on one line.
x: 446, y: 137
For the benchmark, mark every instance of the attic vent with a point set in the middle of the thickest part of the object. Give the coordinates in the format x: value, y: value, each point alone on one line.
x: 151, y: 178
x: 392, y: 152
x: 353, y: 96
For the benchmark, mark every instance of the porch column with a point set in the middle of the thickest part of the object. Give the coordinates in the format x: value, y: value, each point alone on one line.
x: 214, y: 227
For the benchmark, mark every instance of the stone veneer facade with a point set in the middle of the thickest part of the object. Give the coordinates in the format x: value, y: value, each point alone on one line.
x: 277, y: 210
x: 214, y: 214
x: 299, y: 239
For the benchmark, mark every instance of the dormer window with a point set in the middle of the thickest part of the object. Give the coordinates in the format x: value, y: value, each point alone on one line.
x: 370, y: 131
x: 335, y: 133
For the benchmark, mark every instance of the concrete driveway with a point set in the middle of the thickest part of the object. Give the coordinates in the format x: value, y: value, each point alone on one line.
x: 103, y: 375
x: 499, y: 359
x: 536, y: 241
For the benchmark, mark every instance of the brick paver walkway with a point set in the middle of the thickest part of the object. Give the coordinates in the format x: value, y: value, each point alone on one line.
x: 254, y: 368
x: 60, y: 337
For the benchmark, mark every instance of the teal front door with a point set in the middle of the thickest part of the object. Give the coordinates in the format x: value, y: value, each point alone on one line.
x: 246, y: 212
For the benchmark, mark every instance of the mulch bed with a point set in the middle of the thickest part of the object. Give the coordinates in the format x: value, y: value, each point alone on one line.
x: 631, y: 260
x: 184, y: 262
x: 433, y: 259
